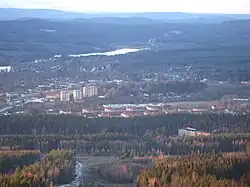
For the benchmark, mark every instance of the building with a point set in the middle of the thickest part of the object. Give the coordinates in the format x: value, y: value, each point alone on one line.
x: 64, y: 112
x: 186, y: 132
x: 90, y: 113
x: 89, y: 91
x: 5, y: 69
x: 153, y: 113
x: 153, y: 108
x: 109, y: 114
x: 53, y: 95
x: 192, y: 132
x: 114, y: 109
x: 135, y: 109
x: 65, y: 95
x: 131, y: 114
x: 77, y: 94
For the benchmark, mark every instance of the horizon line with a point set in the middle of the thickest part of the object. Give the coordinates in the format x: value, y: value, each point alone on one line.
x: 125, y: 12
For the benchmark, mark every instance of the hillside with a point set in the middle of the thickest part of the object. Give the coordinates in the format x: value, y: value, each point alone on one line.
x: 29, y: 39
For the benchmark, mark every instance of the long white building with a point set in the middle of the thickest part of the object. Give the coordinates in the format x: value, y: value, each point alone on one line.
x: 6, y: 69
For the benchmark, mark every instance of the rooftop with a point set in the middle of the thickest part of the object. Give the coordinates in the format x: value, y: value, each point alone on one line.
x: 130, y: 105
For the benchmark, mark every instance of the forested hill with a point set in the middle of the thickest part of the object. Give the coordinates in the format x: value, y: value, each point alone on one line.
x: 30, y: 39
x: 199, y: 170
x: 13, y: 13
x: 204, y: 161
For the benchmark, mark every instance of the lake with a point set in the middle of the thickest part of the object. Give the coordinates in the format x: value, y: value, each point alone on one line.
x: 122, y: 51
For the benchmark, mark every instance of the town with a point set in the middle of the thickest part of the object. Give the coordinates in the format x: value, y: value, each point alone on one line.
x: 131, y: 100
x: 91, y: 86
x: 94, y: 99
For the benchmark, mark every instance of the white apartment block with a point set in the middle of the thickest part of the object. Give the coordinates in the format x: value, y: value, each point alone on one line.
x: 89, y: 91
x: 77, y: 94
x: 65, y: 95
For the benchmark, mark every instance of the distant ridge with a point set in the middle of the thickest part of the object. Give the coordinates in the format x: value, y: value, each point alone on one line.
x: 242, y: 24
x: 120, y: 20
x: 13, y: 13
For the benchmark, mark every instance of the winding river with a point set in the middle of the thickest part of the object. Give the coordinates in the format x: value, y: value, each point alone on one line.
x: 79, y: 176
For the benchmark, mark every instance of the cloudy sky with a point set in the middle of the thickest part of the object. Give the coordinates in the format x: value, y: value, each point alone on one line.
x: 205, y: 6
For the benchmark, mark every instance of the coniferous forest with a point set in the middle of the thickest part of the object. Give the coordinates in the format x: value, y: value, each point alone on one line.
x: 39, y: 149
x: 56, y: 166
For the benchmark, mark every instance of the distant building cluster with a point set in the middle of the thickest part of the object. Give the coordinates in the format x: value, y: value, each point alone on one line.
x: 125, y: 110
x: 5, y: 69
x: 79, y: 94
x: 192, y: 132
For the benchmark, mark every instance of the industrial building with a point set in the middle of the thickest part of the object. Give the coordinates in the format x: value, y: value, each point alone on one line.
x: 5, y: 69
x: 192, y: 132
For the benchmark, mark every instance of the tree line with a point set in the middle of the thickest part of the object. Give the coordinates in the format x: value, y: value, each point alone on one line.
x: 169, y: 124
x: 123, y: 144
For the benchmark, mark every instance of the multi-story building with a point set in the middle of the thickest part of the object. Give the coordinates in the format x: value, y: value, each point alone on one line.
x: 77, y: 94
x: 89, y: 91
x: 65, y: 95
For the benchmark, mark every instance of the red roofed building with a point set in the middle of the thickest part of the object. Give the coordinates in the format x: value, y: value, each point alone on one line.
x: 135, y: 109
x: 110, y: 114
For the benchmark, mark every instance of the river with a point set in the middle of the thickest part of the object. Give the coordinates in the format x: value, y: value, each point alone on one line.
x: 79, y: 176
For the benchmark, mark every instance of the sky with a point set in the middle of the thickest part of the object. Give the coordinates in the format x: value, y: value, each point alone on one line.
x: 197, y: 6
